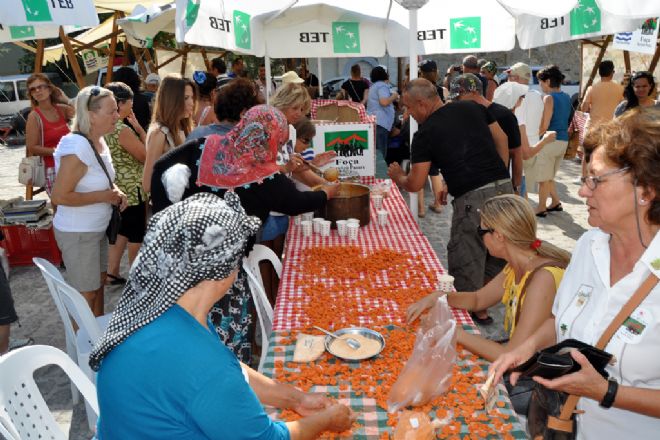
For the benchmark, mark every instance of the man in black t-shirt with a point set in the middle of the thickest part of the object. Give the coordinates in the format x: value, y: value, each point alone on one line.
x: 462, y: 139
x: 467, y: 87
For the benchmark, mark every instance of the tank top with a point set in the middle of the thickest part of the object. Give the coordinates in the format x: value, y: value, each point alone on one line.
x: 561, y: 111
x: 51, y: 133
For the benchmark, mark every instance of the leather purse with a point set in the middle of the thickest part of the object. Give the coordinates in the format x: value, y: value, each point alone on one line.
x: 557, y: 361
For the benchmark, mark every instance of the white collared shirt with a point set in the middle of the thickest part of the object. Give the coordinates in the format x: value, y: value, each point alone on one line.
x: 586, y: 304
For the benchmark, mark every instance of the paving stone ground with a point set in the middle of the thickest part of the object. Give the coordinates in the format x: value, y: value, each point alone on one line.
x: 40, y: 321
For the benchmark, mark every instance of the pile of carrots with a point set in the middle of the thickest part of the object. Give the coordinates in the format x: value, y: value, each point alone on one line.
x: 344, y: 287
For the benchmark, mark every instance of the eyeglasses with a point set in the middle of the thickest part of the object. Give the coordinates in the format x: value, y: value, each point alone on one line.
x: 592, y: 181
x: 37, y: 88
x: 483, y: 232
x: 94, y: 92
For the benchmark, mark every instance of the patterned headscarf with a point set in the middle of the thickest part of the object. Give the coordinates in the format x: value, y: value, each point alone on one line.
x: 247, y: 153
x: 200, y: 238
x: 463, y: 84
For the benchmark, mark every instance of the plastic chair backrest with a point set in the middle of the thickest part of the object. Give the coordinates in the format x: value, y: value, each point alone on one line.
x: 264, y: 310
x: 5, y: 426
x: 260, y: 253
x: 20, y: 398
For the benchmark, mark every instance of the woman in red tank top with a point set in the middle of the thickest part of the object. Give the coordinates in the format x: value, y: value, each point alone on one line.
x: 47, y: 123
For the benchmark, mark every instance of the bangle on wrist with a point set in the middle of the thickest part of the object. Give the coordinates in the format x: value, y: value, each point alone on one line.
x: 610, y: 395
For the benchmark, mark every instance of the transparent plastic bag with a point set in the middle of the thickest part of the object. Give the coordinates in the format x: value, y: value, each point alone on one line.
x: 428, y: 371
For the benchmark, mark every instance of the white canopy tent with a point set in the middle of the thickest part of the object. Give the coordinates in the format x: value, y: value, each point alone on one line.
x: 44, y: 12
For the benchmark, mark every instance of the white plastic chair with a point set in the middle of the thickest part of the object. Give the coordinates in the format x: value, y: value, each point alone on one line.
x: 261, y: 303
x: 72, y: 305
x: 22, y: 406
x: 262, y: 253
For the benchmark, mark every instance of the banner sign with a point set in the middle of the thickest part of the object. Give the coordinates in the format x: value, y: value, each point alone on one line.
x: 94, y: 60
x: 642, y: 39
x: 353, y: 143
x: 50, y: 12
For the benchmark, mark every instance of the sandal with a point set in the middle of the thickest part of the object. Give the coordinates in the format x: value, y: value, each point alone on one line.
x: 436, y: 209
x: 542, y: 214
x: 116, y: 280
x: 481, y: 321
x: 556, y: 208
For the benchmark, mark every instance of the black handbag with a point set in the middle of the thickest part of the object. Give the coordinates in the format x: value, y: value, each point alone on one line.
x: 115, y: 217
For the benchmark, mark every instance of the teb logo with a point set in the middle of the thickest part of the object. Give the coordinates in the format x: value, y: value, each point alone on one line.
x: 465, y: 33
x: 192, y: 10
x: 36, y: 10
x: 585, y: 18
x: 346, y: 37
x: 242, y: 34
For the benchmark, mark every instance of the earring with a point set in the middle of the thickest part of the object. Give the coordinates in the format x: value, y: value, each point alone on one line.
x: 642, y: 201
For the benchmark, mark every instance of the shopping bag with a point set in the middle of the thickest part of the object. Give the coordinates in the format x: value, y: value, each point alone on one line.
x: 428, y: 372
x: 32, y: 171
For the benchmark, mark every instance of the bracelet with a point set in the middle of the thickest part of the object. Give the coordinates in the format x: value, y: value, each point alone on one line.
x: 612, y: 388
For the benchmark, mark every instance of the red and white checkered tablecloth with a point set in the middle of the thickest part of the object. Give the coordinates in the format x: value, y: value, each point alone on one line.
x: 400, y: 234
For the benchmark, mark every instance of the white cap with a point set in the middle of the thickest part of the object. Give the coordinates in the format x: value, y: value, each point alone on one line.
x: 152, y: 78
x: 291, y: 77
x: 508, y: 93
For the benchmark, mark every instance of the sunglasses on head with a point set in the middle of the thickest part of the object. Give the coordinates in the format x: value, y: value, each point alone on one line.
x: 481, y: 231
x: 93, y: 93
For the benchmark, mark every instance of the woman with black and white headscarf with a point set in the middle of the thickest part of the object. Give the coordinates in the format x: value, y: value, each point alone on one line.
x: 162, y: 372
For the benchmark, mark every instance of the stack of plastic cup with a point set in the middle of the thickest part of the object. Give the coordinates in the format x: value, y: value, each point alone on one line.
x: 341, y: 228
x: 353, y: 229
x: 316, y: 222
x: 307, y: 216
x: 446, y: 283
x: 306, y: 228
x: 297, y: 219
x: 382, y: 217
x: 325, y: 228
x: 377, y: 200
x: 354, y: 221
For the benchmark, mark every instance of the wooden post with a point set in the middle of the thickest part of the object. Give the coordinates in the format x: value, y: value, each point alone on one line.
x: 206, y: 59
x: 184, y: 61
x: 147, y: 56
x: 603, y: 48
x: 73, y: 61
x: 140, y: 61
x: 626, y: 60
x: 39, y: 58
x: 113, y: 48
x: 654, y: 60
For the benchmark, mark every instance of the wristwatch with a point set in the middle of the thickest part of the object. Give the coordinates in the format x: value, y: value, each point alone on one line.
x: 612, y: 388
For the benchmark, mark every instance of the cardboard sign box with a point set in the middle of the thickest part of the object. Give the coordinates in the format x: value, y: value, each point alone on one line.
x: 354, y: 144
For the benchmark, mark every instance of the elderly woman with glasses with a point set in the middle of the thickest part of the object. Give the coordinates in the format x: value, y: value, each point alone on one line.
x: 611, y: 262
x: 84, y: 194
x: 162, y: 372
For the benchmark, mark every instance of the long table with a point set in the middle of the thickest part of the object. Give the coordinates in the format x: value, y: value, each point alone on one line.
x: 401, y: 234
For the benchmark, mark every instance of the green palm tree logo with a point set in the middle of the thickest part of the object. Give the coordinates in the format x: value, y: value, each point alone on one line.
x: 36, y: 10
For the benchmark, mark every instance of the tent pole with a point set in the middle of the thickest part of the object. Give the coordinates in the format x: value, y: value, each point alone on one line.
x: 39, y: 58
x: 73, y: 61
x: 654, y: 60
x: 320, y: 70
x: 412, y: 51
x: 184, y: 61
x: 626, y: 60
x: 206, y: 59
x: 269, y: 83
x: 113, y: 48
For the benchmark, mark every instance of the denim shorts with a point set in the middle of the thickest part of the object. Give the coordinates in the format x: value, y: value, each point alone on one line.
x: 274, y: 226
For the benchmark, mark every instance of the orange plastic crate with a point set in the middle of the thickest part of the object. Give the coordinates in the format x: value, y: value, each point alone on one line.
x: 23, y: 243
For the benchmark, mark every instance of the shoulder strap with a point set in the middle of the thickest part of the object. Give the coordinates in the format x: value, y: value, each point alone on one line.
x: 564, y: 421
x: 41, y: 123
x: 523, y: 291
x: 98, y: 157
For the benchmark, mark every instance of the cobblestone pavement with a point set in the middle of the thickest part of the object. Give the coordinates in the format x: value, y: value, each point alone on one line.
x: 40, y: 321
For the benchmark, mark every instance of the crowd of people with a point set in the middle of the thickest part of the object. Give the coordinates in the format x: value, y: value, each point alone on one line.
x: 200, y: 169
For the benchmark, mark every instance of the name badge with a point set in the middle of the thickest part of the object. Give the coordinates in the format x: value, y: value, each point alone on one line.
x: 633, y: 328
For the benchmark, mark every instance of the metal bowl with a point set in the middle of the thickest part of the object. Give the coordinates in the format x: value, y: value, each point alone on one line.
x: 362, y: 331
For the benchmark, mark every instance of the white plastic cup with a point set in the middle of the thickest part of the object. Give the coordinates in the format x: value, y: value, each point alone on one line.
x: 446, y: 283
x: 377, y: 200
x: 307, y: 216
x: 317, y: 224
x: 306, y: 228
x: 352, y: 229
x: 341, y: 228
x: 353, y: 221
x: 325, y: 228
x: 382, y: 217
x: 297, y: 219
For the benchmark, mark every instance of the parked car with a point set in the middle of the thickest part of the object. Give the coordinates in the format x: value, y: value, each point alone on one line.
x: 571, y: 88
